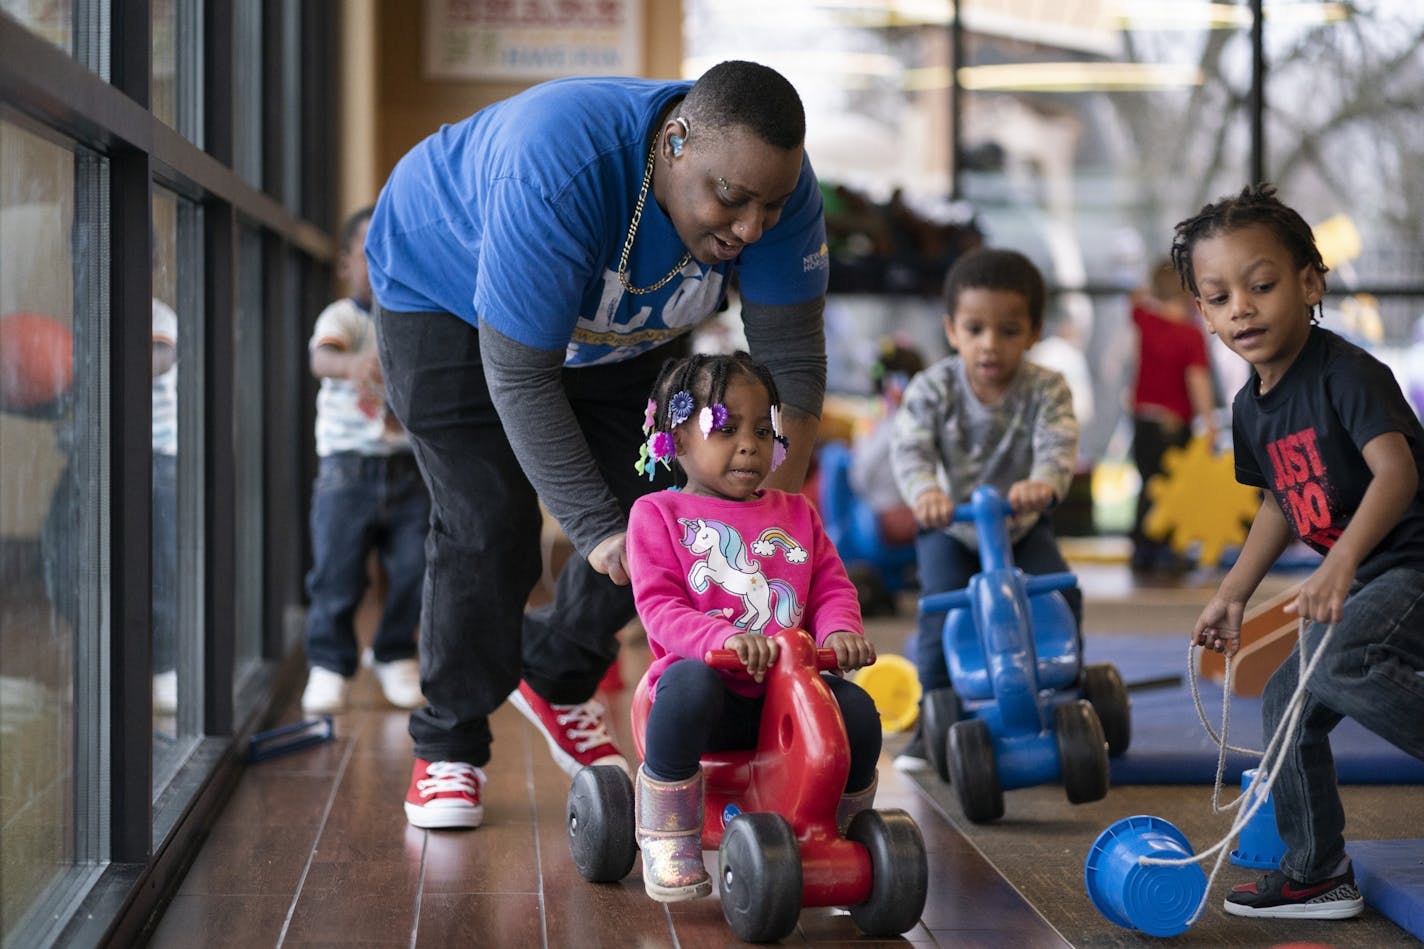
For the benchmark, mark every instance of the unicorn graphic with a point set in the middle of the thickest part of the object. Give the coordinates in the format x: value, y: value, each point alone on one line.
x: 727, y: 564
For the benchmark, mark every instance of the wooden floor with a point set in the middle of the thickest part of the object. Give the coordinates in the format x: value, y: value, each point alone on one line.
x: 314, y: 848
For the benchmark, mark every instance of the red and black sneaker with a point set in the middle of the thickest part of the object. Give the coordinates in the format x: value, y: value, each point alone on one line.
x: 1277, y: 895
x: 576, y: 734
x: 444, y: 795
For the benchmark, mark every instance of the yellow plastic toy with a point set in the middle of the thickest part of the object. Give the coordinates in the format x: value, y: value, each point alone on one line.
x: 1197, y: 498
x: 894, y: 684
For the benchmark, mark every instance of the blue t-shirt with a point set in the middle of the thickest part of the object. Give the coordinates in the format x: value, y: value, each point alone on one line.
x: 516, y: 217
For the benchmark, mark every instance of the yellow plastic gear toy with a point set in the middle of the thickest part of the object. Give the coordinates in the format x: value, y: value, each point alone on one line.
x: 1197, y: 498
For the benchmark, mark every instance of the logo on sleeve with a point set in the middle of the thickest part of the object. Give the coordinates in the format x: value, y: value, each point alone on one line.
x: 820, y: 260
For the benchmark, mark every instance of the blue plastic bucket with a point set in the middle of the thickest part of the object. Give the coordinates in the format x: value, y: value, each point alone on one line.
x: 1157, y: 900
x: 1259, y: 846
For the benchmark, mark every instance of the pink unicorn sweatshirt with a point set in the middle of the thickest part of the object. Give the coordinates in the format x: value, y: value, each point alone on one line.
x: 705, y: 569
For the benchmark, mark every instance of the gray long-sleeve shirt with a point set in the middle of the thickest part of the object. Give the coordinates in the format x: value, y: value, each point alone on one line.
x: 945, y: 437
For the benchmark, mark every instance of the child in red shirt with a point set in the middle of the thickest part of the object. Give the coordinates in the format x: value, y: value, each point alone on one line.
x: 1173, y: 392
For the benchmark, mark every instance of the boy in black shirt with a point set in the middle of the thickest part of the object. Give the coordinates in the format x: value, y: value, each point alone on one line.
x: 1324, y: 429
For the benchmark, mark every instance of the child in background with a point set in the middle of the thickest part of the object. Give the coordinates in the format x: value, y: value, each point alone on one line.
x: 870, y: 476
x: 723, y: 564
x: 368, y: 496
x: 163, y: 358
x: 1173, y: 392
x: 1323, y: 428
x: 983, y: 416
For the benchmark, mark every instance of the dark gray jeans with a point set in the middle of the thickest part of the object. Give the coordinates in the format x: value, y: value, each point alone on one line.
x: 482, y: 553
x: 1373, y: 672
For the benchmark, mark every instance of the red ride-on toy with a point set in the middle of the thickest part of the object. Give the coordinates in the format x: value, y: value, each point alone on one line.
x: 771, y: 814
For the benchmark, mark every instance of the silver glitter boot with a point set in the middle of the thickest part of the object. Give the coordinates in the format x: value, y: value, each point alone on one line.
x: 670, y: 836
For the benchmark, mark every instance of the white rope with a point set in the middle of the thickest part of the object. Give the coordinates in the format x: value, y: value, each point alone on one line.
x: 1259, y: 790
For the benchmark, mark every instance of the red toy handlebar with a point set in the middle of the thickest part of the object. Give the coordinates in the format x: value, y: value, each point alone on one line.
x: 726, y: 660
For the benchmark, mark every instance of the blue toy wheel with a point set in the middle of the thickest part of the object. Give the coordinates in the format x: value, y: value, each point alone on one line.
x: 940, y: 709
x: 900, y: 875
x: 600, y: 822
x: 1104, y: 689
x: 1082, y: 752
x: 759, y: 866
x: 974, y: 772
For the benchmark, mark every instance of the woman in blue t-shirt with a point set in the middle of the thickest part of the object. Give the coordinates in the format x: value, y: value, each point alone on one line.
x: 534, y: 265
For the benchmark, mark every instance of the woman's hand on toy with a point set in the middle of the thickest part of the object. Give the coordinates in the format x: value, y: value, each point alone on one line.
x: 756, y: 652
x: 933, y: 508
x: 1032, y: 497
x: 1219, y: 626
x: 610, y: 558
x: 852, y: 650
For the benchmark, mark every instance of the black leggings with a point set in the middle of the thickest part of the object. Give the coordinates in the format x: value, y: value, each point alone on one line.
x: 693, y: 712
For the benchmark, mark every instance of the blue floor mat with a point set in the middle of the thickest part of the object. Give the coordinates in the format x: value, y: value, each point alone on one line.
x: 1390, y: 874
x: 1170, y: 746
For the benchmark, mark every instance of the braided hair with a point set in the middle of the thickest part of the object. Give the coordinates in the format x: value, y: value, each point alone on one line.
x: 1256, y: 205
x: 704, y: 376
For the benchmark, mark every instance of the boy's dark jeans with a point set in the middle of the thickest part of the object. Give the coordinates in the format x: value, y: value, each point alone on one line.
x: 945, y: 564
x: 1373, y: 672
x: 362, y: 503
x: 483, y: 556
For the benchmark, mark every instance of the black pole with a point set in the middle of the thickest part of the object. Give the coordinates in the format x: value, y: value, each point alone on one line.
x: 956, y: 57
x: 1258, y: 92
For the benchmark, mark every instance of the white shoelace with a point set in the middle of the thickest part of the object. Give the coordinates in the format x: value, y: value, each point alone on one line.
x: 583, y: 724
x: 454, y: 776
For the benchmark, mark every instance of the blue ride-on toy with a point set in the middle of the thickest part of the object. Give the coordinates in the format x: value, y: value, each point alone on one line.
x: 1022, y: 709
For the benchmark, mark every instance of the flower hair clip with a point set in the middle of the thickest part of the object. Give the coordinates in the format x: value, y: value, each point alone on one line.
x: 712, y: 416
x: 658, y: 448
x: 680, y: 408
x: 779, y: 442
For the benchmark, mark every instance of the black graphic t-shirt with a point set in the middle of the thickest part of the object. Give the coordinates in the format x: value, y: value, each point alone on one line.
x: 1302, y: 441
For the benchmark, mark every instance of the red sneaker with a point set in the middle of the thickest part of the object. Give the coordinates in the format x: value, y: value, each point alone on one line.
x: 576, y: 734
x: 444, y: 794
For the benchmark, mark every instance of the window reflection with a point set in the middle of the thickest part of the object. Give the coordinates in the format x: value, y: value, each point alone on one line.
x: 51, y: 21
x: 174, y: 339
x: 43, y: 502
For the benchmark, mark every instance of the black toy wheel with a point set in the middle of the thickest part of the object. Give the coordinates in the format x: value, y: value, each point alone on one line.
x: 1082, y: 752
x: 600, y: 822
x: 900, y: 875
x: 974, y: 772
x: 759, y: 869
x: 1104, y: 689
x: 940, y: 709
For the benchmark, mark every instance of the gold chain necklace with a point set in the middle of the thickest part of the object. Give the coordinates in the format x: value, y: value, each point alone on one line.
x: 633, y: 231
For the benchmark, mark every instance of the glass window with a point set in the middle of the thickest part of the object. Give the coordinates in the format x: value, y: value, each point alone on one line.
x: 53, y: 22
x: 249, y: 120
x: 250, y: 494
x: 79, y: 27
x: 176, y: 625
x: 1074, y: 123
x: 176, y: 74
x: 49, y: 531
x: 1345, y: 147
